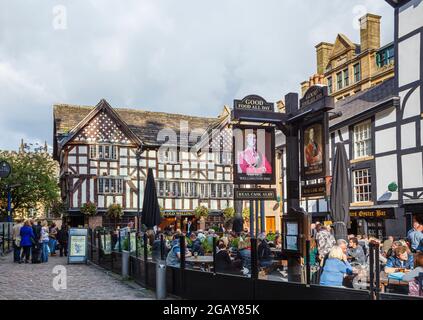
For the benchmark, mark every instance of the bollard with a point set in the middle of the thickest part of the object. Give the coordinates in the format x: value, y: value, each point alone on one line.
x: 125, y: 264
x: 160, y: 280
x: 162, y: 249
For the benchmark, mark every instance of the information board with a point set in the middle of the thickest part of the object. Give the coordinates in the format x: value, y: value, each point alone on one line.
x: 77, y: 245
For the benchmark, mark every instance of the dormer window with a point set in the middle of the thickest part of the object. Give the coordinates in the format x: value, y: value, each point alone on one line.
x: 103, y: 152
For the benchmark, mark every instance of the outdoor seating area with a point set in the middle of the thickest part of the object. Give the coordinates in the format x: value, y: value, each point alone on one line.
x: 222, y: 258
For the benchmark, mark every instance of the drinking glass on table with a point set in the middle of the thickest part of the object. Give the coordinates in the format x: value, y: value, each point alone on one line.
x: 195, y: 255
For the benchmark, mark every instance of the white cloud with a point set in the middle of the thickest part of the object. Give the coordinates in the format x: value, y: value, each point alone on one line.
x: 184, y: 56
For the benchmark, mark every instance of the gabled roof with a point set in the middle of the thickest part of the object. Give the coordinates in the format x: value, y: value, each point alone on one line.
x: 364, y: 101
x: 143, y: 125
x: 342, y: 44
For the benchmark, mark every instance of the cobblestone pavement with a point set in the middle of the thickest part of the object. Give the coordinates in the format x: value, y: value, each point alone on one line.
x: 84, y: 282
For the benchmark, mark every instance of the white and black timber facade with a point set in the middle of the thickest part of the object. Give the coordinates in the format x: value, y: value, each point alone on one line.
x: 97, y: 151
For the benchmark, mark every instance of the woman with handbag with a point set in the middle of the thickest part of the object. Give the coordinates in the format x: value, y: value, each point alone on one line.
x: 27, y: 235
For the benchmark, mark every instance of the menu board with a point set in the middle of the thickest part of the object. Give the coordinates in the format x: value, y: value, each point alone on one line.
x: 291, y: 237
x: 77, y: 245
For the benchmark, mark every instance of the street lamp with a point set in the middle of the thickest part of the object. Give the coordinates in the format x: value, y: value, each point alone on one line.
x: 9, y: 200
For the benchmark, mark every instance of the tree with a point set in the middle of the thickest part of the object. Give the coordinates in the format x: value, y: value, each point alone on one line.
x: 36, y: 174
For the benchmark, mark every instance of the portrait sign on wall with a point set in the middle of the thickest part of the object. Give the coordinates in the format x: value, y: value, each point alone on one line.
x: 254, y: 155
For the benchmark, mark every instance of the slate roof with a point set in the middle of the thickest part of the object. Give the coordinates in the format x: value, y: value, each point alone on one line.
x: 364, y: 101
x: 144, y: 124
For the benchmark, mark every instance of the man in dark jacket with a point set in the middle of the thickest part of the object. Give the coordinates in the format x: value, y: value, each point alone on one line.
x: 62, y: 237
x: 264, y: 252
x: 36, y: 246
x: 196, y: 245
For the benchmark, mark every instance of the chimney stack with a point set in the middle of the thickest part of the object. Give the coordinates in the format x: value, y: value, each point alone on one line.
x: 323, y: 51
x: 370, y: 32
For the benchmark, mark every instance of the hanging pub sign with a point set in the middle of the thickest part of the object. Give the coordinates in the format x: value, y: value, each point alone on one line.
x: 314, y: 140
x: 252, y: 104
x: 253, y: 154
x: 78, y: 244
x: 254, y: 194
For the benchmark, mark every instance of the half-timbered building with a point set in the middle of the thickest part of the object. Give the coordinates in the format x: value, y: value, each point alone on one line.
x: 408, y: 41
x: 97, y: 149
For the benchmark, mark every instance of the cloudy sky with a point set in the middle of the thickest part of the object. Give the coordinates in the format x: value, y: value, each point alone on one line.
x: 183, y: 56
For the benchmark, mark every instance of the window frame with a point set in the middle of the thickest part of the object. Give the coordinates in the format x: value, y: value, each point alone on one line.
x: 100, y: 149
x: 357, y: 72
x: 367, y: 149
x: 106, y: 184
x: 339, y: 80
x: 330, y: 85
x: 366, y: 196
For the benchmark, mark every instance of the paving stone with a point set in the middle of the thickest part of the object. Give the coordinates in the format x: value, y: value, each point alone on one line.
x: 84, y: 282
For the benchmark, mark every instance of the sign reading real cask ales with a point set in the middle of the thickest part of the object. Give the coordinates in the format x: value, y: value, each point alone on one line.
x: 254, y: 194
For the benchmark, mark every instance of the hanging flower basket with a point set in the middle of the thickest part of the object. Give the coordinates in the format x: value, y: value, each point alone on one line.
x: 201, y: 212
x: 89, y: 209
x: 115, y: 211
x: 228, y: 214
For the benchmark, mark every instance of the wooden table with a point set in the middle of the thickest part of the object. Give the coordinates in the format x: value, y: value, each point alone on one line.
x: 384, y: 281
x: 199, y: 260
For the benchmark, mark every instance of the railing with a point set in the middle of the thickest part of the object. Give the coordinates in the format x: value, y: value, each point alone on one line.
x: 191, y: 282
x: 6, y: 240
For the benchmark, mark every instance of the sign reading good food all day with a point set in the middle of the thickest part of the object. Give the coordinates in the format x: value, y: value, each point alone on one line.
x: 254, y: 108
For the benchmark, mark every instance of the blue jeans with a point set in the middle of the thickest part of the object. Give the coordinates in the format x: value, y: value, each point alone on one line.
x: 44, y: 251
x: 246, y: 258
x: 52, y: 245
x: 16, y: 253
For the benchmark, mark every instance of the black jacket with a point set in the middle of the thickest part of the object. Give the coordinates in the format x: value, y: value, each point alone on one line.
x: 63, y: 235
x: 37, y: 232
x: 264, y: 252
x: 223, y: 261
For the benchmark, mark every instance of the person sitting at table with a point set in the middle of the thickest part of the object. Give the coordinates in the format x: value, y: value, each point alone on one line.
x: 355, y: 252
x: 223, y: 261
x: 264, y: 252
x: 412, y: 276
x: 244, y: 251
x: 400, y: 261
x: 173, y: 258
x: 336, y: 267
x: 196, y: 246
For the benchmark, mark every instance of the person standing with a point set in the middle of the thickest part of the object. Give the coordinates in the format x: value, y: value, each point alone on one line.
x: 415, y: 235
x: 16, y: 236
x: 36, y: 246
x: 52, y: 239
x: 44, y: 240
x: 325, y: 241
x: 27, y: 236
x: 62, y: 237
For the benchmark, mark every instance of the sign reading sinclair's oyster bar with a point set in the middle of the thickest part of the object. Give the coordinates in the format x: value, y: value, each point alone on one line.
x: 252, y: 105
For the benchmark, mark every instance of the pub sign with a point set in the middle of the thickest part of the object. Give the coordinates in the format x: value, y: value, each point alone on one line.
x: 253, y: 154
